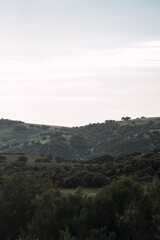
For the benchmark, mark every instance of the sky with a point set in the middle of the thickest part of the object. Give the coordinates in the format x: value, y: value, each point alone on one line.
x: 75, y: 62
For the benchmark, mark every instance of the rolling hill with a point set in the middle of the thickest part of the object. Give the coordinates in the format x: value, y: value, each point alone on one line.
x: 92, y: 140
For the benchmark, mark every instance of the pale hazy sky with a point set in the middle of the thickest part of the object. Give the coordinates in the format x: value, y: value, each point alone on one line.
x: 72, y: 62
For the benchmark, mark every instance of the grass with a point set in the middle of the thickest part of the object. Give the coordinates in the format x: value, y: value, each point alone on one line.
x: 31, y: 160
x: 14, y: 157
x: 86, y: 191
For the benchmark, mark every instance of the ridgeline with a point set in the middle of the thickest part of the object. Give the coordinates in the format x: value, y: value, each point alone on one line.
x: 112, y: 137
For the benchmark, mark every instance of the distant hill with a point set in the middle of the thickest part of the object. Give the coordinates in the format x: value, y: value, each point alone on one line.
x: 92, y: 140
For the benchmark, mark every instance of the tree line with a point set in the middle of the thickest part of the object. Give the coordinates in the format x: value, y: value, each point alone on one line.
x: 89, y: 173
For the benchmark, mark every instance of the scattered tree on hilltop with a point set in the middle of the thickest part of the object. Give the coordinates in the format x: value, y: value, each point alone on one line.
x: 125, y: 118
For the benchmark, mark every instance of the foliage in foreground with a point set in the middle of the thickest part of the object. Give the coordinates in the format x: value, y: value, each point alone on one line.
x: 33, y: 210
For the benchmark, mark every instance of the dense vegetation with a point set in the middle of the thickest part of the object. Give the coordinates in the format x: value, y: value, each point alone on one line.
x: 111, y: 137
x: 89, y: 173
x: 121, y: 159
x: 31, y: 209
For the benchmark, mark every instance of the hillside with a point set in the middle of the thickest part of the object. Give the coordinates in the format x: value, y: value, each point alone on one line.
x: 111, y: 137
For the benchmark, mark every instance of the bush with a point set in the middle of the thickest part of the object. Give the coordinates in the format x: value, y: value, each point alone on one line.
x: 98, y: 180
x: 3, y: 158
x: 22, y: 159
x: 72, y: 182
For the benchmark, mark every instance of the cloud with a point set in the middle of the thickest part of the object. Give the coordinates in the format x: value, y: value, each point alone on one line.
x: 80, y: 73
x: 66, y: 63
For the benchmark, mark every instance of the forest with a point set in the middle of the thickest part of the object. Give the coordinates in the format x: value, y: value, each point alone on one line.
x: 89, y: 173
x: 53, y: 199
x: 32, y: 209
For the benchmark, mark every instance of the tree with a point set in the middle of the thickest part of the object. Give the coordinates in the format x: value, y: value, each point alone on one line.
x: 98, y: 180
x: 73, y: 182
x: 65, y: 235
x: 125, y: 208
x: 16, y: 207
x: 125, y: 118
x: 22, y: 159
x: 87, y: 179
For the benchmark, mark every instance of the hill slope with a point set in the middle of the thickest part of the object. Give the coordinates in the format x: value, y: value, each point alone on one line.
x: 112, y: 137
